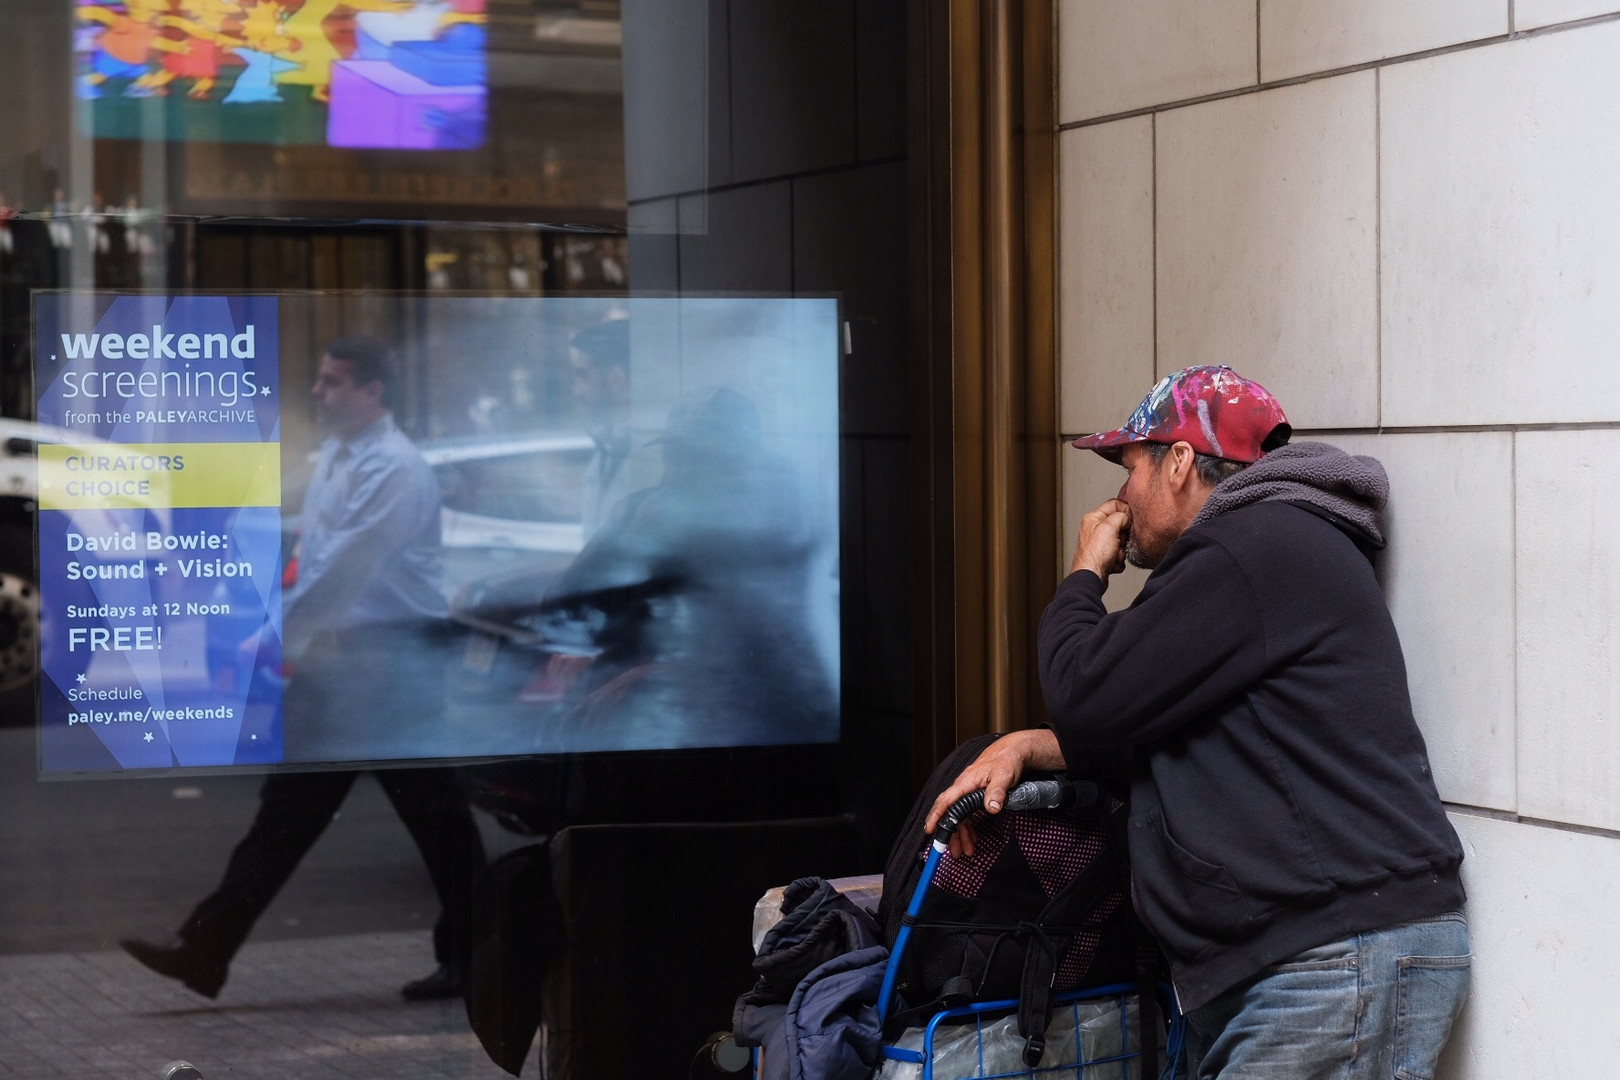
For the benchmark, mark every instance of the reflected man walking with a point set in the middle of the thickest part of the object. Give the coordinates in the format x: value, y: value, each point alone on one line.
x: 361, y: 612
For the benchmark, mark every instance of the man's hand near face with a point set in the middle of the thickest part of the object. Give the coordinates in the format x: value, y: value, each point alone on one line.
x: 1101, y: 544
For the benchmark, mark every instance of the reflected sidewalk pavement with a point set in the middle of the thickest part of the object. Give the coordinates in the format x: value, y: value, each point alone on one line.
x: 314, y: 1009
x: 314, y: 994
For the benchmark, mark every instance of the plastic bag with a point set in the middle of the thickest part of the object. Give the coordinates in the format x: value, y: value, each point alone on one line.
x: 1080, y: 1033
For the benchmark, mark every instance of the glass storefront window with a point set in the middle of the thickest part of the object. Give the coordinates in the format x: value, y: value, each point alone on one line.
x: 663, y: 637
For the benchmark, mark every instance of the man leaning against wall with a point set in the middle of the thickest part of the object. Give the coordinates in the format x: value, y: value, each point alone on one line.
x: 1288, y: 846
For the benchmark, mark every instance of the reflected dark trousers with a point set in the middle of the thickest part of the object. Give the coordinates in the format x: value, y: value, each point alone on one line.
x: 295, y: 808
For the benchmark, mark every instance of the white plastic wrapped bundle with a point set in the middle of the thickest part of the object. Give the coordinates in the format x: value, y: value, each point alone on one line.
x: 970, y: 1050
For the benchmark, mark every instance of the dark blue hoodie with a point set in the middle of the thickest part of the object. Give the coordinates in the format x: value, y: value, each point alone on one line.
x: 1280, y: 790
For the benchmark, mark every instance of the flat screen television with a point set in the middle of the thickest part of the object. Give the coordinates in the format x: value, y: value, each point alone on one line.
x: 318, y: 529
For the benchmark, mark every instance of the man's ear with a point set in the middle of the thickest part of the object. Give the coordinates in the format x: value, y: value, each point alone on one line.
x: 1181, y: 464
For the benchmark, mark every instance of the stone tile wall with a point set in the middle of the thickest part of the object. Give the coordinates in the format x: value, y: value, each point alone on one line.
x: 1402, y: 219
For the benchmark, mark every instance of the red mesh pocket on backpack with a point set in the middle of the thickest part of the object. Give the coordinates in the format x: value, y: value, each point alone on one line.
x: 1056, y: 847
x: 965, y: 877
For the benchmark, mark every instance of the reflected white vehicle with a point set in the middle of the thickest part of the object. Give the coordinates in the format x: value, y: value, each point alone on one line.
x: 19, y: 585
x: 511, y: 493
x: 508, y: 501
x: 511, y: 522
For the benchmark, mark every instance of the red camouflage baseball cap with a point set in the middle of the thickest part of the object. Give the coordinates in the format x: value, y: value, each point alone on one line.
x: 1211, y: 407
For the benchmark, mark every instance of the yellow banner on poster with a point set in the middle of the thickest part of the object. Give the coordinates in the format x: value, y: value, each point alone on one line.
x: 101, y: 476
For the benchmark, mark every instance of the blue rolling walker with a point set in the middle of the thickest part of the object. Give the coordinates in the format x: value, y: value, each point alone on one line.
x: 1114, y: 1064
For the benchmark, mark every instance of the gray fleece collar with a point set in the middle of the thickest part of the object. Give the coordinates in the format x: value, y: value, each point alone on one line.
x: 1352, y: 487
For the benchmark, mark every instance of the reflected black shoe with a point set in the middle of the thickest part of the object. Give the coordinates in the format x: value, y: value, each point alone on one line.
x: 442, y: 983
x: 180, y: 960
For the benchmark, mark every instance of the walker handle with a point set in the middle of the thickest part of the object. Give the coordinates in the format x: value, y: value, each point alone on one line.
x: 1029, y: 795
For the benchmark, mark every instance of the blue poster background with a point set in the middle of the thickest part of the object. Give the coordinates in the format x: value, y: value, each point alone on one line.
x: 172, y: 665
x: 74, y: 314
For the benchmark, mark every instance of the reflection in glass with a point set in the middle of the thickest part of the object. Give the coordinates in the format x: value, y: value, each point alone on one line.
x: 613, y: 529
x: 389, y: 74
x: 685, y: 592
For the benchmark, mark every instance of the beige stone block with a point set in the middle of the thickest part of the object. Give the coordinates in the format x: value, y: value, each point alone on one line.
x: 1529, y: 14
x: 1568, y: 575
x: 1106, y: 258
x: 1448, y: 576
x: 1300, y: 37
x: 1501, y: 290
x: 1115, y: 57
x: 1267, y: 244
x: 1540, y: 913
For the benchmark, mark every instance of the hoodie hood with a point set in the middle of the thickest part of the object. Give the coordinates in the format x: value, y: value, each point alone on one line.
x: 1349, y: 488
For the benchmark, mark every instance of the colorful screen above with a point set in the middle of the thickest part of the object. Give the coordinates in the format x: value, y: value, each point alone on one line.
x: 360, y: 74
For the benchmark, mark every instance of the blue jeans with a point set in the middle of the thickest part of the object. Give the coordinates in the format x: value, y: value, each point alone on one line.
x: 1374, y: 1006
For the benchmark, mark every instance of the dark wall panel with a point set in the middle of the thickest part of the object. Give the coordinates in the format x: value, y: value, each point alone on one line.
x: 887, y: 573
x: 880, y: 84
x: 792, y: 86
x: 841, y: 222
x: 737, y: 241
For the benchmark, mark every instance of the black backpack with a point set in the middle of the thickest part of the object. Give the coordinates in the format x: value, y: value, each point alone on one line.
x: 1042, y: 907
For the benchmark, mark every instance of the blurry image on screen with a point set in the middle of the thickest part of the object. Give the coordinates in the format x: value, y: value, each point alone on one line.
x: 638, y: 531
x: 507, y: 526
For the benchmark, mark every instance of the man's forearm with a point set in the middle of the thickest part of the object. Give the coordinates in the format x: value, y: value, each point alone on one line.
x: 1041, y: 750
